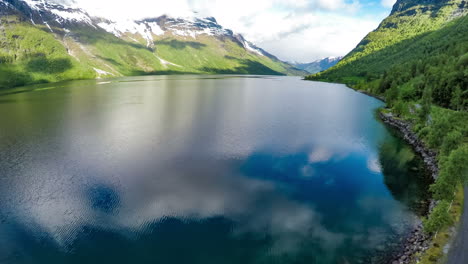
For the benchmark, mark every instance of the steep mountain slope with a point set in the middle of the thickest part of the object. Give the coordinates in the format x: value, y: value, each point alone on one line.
x: 417, y: 59
x: 45, y: 42
x: 410, y: 22
x: 318, y: 65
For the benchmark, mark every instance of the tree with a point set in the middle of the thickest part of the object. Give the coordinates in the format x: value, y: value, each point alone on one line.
x: 385, y: 83
x: 399, y: 108
x: 426, y: 104
x: 457, y: 164
x: 451, y: 142
x: 444, y: 187
x: 439, y: 218
x: 457, y: 101
x: 454, y: 171
x: 391, y: 95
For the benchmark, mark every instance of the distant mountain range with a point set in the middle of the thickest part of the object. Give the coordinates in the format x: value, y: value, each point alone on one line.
x: 318, y: 65
x: 42, y: 41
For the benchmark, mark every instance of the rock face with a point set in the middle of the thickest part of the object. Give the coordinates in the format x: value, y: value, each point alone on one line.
x: 402, y: 5
x: 417, y: 240
x: 413, y: 7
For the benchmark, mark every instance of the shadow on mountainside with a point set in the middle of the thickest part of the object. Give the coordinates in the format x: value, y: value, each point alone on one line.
x: 110, y: 60
x: 177, y: 44
x: 247, y: 66
x: 9, y: 77
x: 41, y: 64
x: 12, y: 75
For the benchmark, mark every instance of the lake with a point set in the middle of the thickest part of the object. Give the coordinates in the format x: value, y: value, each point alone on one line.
x: 202, y: 169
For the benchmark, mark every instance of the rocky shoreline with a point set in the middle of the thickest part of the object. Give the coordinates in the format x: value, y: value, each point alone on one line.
x: 429, y: 156
x: 417, y: 241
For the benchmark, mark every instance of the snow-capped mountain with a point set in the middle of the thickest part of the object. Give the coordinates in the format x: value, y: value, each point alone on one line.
x: 43, y: 41
x: 46, y: 13
x: 318, y: 65
x: 191, y: 27
x: 54, y: 15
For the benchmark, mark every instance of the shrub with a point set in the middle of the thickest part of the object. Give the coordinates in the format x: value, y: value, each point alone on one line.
x: 439, y: 218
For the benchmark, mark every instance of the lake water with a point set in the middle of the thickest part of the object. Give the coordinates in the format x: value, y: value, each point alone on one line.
x: 201, y: 169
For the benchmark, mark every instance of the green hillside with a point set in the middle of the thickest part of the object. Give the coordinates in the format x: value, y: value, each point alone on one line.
x: 33, y: 54
x: 417, y: 60
x: 30, y: 55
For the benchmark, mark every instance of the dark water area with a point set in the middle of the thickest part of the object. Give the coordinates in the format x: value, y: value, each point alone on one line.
x: 202, y: 169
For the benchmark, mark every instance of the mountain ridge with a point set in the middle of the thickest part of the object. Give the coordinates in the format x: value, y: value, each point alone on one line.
x: 318, y: 65
x: 94, y: 47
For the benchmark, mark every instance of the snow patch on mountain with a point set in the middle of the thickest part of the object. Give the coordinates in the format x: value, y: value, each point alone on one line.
x: 69, y: 15
x: 155, y: 28
x: 254, y: 50
x: 249, y: 46
x: 5, y: 3
x: 54, y: 15
x: 102, y: 73
x: 184, y: 27
x: 60, y: 13
x: 145, y: 30
x: 35, y: 4
x: 165, y: 62
x: 193, y: 27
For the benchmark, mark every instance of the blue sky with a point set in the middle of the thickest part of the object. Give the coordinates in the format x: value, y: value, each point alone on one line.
x: 293, y: 30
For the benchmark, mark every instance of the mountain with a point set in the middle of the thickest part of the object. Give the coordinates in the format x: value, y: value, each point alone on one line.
x: 318, y: 65
x: 417, y: 60
x: 42, y: 41
x: 421, y: 44
x: 403, y: 36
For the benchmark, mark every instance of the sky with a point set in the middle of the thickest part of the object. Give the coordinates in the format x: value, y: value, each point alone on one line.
x: 293, y: 30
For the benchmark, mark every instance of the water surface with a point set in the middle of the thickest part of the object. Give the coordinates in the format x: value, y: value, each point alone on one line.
x: 201, y: 169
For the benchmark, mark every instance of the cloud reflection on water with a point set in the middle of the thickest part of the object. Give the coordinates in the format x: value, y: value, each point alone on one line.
x: 300, y: 176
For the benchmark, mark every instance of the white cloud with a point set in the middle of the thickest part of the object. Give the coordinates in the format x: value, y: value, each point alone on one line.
x: 388, y: 3
x: 319, y: 35
x: 374, y: 165
x: 294, y: 30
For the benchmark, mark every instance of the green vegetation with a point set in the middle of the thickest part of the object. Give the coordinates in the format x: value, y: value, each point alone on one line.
x: 33, y: 54
x: 418, y: 60
x: 211, y: 55
x: 435, y: 253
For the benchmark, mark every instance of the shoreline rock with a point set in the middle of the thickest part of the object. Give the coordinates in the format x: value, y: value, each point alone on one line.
x: 405, y: 128
x: 417, y: 241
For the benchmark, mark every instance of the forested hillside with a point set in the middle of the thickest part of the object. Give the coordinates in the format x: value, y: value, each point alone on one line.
x: 417, y: 59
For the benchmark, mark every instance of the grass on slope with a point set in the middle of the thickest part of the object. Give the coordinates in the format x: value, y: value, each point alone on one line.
x: 436, y: 60
x: 382, y: 48
x: 211, y: 55
x: 31, y: 55
x: 112, y: 54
